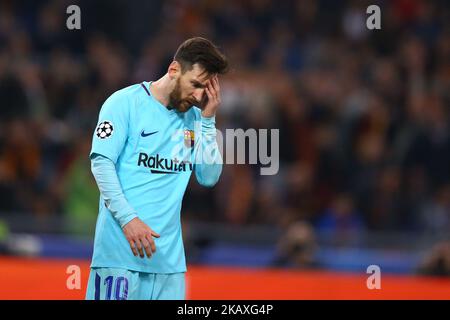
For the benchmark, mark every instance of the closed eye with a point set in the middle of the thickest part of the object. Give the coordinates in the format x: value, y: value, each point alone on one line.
x: 197, y: 85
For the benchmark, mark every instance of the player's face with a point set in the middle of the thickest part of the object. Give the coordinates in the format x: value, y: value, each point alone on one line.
x: 190, y: 89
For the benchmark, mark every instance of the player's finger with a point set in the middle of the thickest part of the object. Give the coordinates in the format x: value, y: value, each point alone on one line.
x: 139, y: 247
x: 208, y: 93
x: 216, y: 84
x: 152, y: 243
x: 133, y: 248
x: 212, y: 88
x: 155, y: 234
x: 147, y: 248
x: 212, y: 91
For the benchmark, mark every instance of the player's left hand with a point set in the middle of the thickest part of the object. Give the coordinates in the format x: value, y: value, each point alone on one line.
x: 213, y: 100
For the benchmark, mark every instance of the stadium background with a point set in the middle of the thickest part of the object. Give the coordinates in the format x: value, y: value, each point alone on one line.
x: 364, y: 143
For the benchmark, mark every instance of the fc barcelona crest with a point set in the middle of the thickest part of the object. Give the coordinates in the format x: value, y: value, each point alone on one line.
x: 189, y: 138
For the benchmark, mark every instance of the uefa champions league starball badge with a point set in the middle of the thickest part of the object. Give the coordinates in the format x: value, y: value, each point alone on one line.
x: 105, y: 130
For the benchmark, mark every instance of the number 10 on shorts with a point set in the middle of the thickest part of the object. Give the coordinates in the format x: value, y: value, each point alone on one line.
x: 119, y: 284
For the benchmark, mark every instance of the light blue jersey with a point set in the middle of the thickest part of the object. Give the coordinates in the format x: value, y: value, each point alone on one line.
x: 155, y: 151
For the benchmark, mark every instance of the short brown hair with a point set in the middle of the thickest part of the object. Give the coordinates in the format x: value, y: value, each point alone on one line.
x: 204, y: 52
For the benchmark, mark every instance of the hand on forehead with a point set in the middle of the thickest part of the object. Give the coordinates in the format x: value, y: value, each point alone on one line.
x: 201, y: 75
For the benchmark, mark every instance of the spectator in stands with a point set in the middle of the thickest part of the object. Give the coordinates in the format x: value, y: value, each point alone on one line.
x: 297, y: 247
x: 437, y: 261
x: 341, y: 220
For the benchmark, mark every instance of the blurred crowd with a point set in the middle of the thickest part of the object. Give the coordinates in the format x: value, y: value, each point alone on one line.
x: 363, y: 114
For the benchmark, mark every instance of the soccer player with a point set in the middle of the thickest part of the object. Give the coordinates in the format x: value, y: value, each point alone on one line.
x: 149, y: 138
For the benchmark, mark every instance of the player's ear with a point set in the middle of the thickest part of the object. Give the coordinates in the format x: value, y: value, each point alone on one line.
x: 174, y: 69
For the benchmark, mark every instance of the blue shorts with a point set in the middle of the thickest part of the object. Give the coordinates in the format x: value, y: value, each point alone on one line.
x: 122, y: 284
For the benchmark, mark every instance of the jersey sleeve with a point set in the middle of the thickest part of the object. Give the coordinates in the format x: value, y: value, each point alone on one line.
x: 111, y: 132
x: 208, y: 162
x: 108, y: 183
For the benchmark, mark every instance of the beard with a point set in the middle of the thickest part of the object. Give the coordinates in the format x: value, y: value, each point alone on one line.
x: 177, y: 102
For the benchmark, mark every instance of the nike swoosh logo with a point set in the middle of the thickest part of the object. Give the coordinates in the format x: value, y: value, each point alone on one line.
x: 143, y: 134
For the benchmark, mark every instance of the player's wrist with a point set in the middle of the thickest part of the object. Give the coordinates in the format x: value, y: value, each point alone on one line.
x: 125, y: 220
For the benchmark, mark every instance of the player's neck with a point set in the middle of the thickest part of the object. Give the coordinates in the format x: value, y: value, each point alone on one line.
x: 160, y: 90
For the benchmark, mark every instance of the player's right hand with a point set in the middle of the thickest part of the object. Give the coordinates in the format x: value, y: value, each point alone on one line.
x: 140, y: 237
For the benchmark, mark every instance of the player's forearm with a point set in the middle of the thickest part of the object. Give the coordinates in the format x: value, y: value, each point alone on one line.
x: 108, y: 183
x: 209, y: 167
